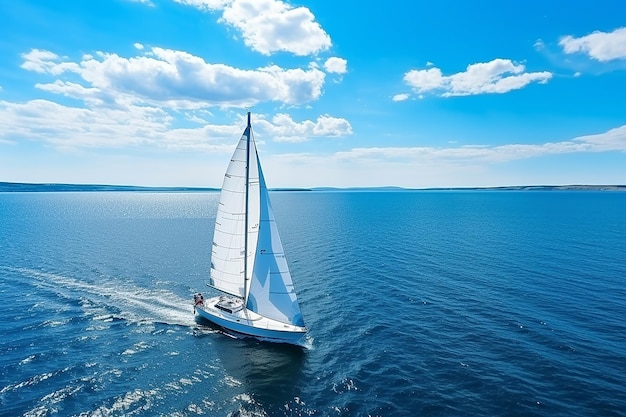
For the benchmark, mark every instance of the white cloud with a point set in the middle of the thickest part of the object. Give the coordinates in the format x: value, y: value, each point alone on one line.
x: 80, y: 129
x: 105, y: 127
x: 269, y: 26
x: 42, y: 61
x: 601, y: 46
x: 207, y: 5
x: 138, y: 45
x: 424, y: 80
x: 175, y: 79
x: 400, y: 97
x: 497, y: 76
x: 102, y: 127
x: 336, y: 65
x: 283, y: 128
x: 447, y: 166
x: 71, y: 127
x: 612, y: 140
x: 431, y: 166
x: 77, y: 91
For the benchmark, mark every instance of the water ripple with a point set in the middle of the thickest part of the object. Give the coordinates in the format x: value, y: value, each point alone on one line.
x: 417, y: 303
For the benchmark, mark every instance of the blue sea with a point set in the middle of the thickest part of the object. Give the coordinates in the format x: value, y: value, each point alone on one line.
x: 419, y: 303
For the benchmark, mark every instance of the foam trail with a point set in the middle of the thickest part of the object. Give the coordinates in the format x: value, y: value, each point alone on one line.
x: 134, y: 303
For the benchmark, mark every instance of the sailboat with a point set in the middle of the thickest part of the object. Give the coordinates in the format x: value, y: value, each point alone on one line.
x: 248, y: 264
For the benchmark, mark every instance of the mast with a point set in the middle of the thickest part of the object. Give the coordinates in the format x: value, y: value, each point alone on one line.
x: 245, y: 245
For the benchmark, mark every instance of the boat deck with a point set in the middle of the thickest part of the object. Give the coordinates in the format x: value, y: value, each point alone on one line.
x: 229, y: 313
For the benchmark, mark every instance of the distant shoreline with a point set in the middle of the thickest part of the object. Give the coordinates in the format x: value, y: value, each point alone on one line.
x: 33, y: 187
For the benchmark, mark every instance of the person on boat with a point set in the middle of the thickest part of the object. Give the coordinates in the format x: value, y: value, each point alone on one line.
x: 198, y: 300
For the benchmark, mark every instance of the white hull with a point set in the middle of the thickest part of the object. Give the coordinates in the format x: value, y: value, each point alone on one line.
x: 249, y: 323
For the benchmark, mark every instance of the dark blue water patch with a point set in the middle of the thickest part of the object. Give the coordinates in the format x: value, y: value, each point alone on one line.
x: 431, y: 303
x: 497, y: 270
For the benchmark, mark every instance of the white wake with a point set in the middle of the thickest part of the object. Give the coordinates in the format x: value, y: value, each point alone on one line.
x: 117, y: 299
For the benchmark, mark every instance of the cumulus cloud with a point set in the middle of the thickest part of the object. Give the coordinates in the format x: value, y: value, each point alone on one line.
x: 269, y: 26
x: 175, y: 79
x: 400, y: 97
x: 69, y: 127
x: 72, y: 127
x: 138, y: 100
x: 284, y: 129
x: 497, y: 76
x: 42, y: 61
x: 601, y: 46
x: 425, y: 80
x: 336, y: 65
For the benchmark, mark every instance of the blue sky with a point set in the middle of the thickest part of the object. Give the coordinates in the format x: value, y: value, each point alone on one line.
x: 343, y: 93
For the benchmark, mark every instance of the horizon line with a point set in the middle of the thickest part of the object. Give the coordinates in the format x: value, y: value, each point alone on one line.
x: 27, y: 186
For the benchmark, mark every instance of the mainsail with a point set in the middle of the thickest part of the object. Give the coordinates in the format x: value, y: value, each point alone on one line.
x: 228, y: 254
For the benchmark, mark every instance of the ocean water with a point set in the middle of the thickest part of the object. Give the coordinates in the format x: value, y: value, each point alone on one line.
x: 477, y: 303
